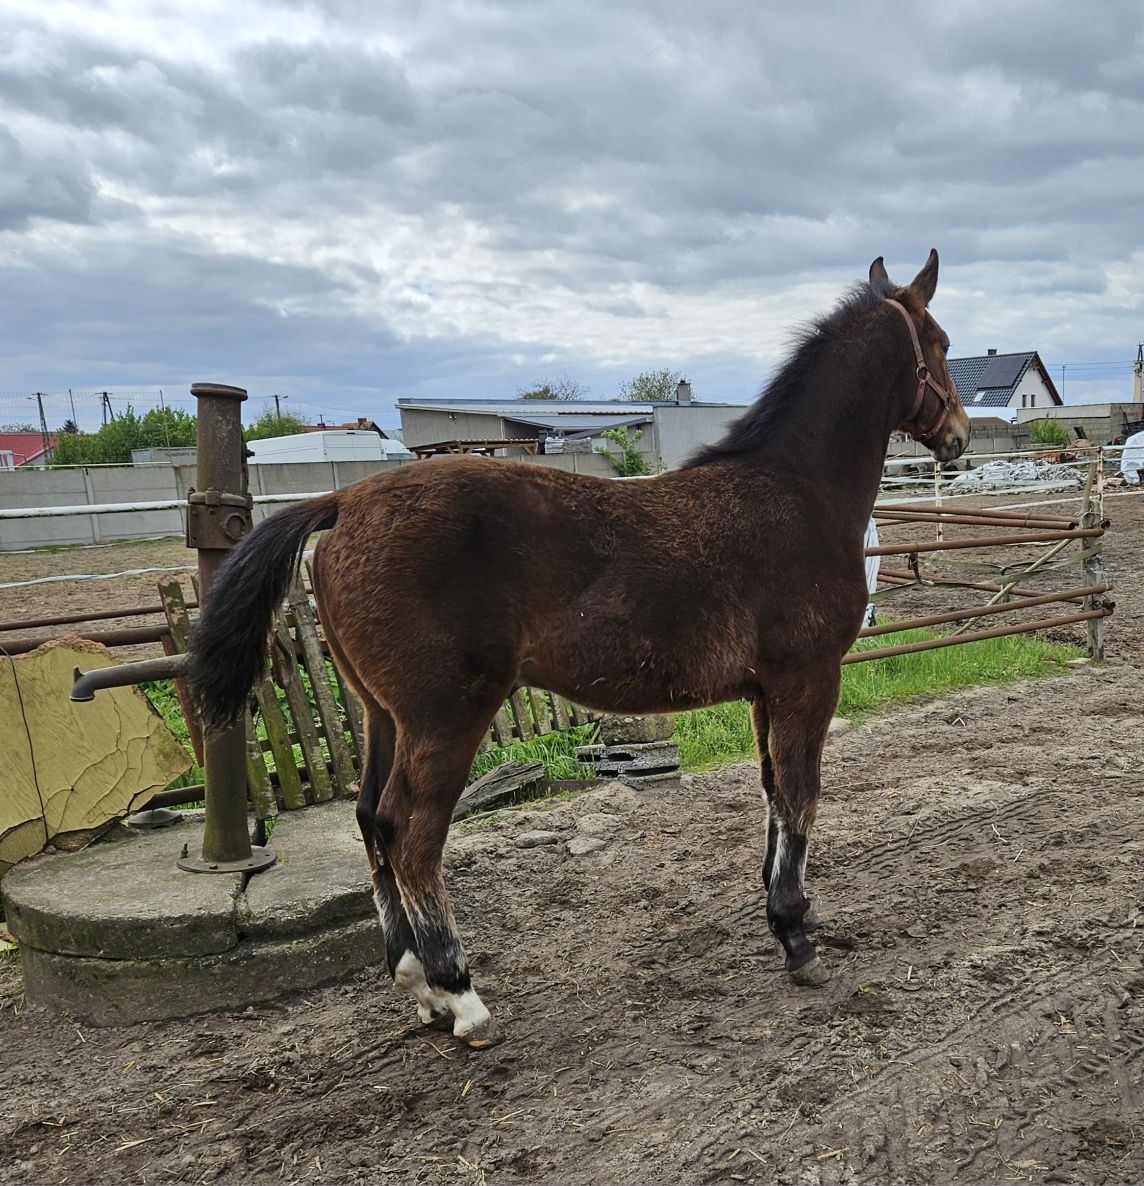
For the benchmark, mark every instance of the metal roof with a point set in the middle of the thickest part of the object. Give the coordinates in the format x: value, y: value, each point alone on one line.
x: 989, y: 380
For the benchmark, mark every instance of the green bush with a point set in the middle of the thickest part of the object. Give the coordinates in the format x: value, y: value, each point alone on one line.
x: 631, y: 463
x: 1048, y: 432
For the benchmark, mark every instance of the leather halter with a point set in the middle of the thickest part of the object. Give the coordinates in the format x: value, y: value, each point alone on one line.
x: 946, y: 396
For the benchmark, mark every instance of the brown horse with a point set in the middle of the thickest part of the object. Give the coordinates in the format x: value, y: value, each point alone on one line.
x: 444, y: 586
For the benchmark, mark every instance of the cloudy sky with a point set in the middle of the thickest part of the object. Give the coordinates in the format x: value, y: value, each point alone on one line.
x: 347, y: 201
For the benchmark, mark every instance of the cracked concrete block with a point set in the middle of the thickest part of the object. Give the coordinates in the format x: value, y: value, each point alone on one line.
x: 72, y: 769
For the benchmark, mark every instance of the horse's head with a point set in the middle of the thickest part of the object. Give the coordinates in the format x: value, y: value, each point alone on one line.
x: 932, y: 413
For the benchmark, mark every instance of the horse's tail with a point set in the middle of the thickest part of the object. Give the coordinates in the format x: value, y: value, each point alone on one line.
x: 228, y: 644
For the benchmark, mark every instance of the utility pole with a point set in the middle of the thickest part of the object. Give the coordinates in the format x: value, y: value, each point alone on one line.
x: 1138, y: 376
x: 43, y: 424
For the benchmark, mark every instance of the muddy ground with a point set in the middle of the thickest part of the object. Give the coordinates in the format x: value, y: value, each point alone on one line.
x: 977, y: 862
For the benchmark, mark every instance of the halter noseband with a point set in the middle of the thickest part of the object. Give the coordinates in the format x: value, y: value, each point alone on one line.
x: 946, y: 396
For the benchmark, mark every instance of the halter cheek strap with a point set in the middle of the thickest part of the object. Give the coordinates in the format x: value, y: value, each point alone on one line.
x: 946, y: 396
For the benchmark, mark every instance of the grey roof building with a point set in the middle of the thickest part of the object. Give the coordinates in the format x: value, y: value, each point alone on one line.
x: 991, y: 382
x: 671, y: 429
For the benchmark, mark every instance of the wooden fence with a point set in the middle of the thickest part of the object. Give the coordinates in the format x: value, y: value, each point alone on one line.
x: 310, y: 745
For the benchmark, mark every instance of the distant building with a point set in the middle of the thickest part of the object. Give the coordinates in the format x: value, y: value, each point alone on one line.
x: 25, y: 448
x: 989, y: 383
x: 671, y: 429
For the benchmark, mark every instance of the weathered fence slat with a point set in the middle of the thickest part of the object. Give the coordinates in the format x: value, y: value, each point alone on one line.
x: 502, y: 727
x: 541, y: 713
x: 278, y: 737
x: 307, y: 628
x: 302, y: 712
x: 499, y: 784
x: 353, y: 710
x: 258, y: 777
x: 520, y: 711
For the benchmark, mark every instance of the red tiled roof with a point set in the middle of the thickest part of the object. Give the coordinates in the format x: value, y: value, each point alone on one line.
x: 25, y: 447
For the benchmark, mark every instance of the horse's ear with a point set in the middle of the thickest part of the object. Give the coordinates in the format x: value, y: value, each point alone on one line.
x: 878, y: 277
x: 925, y: 282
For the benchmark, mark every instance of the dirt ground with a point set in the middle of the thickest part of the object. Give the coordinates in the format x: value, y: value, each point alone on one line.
x: 977, y: 866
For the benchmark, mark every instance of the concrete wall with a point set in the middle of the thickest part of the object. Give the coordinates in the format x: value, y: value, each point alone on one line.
x: 680, y: 431
x: 1101, y: 422
x: 127, y: 483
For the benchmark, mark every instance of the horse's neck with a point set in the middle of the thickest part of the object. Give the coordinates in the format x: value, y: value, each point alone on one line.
x: 837, y: 435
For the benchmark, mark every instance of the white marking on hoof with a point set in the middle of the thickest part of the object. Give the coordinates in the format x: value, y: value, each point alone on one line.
x: 469, y: 1011
x: 409, y: 976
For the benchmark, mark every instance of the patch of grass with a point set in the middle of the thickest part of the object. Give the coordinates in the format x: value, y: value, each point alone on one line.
x: 556, y: 750
x: 720, y: 734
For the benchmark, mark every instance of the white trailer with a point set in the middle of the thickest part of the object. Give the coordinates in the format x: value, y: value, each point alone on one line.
x: 332, y: 444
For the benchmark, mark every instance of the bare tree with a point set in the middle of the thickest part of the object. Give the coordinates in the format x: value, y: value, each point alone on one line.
x: 563, y: 387
x: 650, y: 386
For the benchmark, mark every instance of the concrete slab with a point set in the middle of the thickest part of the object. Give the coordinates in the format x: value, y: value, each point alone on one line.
x: 321, y: 878
x: 122, y: 899
x: 123, y: 992
x: 117, y: 934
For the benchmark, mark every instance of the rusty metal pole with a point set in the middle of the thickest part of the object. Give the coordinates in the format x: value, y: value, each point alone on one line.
x: 1092, y: 516
x: 218, y: 516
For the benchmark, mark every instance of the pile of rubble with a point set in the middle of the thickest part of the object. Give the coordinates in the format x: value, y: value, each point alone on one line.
x: 1000, y: 475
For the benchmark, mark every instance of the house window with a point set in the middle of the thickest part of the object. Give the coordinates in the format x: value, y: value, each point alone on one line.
x: 1024, y: 401
x: 1033, y: 400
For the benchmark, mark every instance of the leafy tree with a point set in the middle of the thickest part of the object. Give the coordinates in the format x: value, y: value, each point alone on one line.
x: 564, y: 387
x: 18, y: 427
x: 1048, y: 432
x: 650, y: 386
x: 157, y: 428
x: 631, y: 463
x: 69, y: 426
x: 271, y: 424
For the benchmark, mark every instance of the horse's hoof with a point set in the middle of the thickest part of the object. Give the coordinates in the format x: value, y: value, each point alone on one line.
x: 813, y: 974
x: 482, y: 1036
x: 810, y: 920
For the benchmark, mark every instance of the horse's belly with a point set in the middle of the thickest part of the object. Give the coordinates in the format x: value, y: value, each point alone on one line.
x: 642, y: 685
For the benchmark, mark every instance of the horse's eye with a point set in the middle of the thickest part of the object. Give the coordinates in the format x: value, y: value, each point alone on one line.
x: 945, y: 349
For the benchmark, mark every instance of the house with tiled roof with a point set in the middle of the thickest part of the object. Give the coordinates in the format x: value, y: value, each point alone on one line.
x: 991, y: 383
x: 25, y: 448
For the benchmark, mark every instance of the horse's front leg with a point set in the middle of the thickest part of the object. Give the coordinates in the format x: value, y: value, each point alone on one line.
x: 798, y: 708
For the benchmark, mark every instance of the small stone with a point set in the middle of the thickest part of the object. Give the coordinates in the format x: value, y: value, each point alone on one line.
x: 535, y: 839
x: 597, y: 824
x: 580, y: 846
x: 840, y: 725
x: 1083, y: 661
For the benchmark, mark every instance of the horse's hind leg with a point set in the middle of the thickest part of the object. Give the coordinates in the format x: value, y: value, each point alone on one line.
x: 401, y: 953
x: 412, y: 821
x: 798, y: 710
x: 761, y: 725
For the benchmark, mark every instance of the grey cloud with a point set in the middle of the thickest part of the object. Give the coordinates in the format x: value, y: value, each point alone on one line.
x: 593, y: 148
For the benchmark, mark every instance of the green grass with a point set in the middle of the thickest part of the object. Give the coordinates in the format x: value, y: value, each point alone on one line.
x: 555, y: 750
x: 720, y: 734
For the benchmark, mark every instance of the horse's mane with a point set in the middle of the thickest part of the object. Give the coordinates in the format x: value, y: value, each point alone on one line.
x: 752, y: 428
